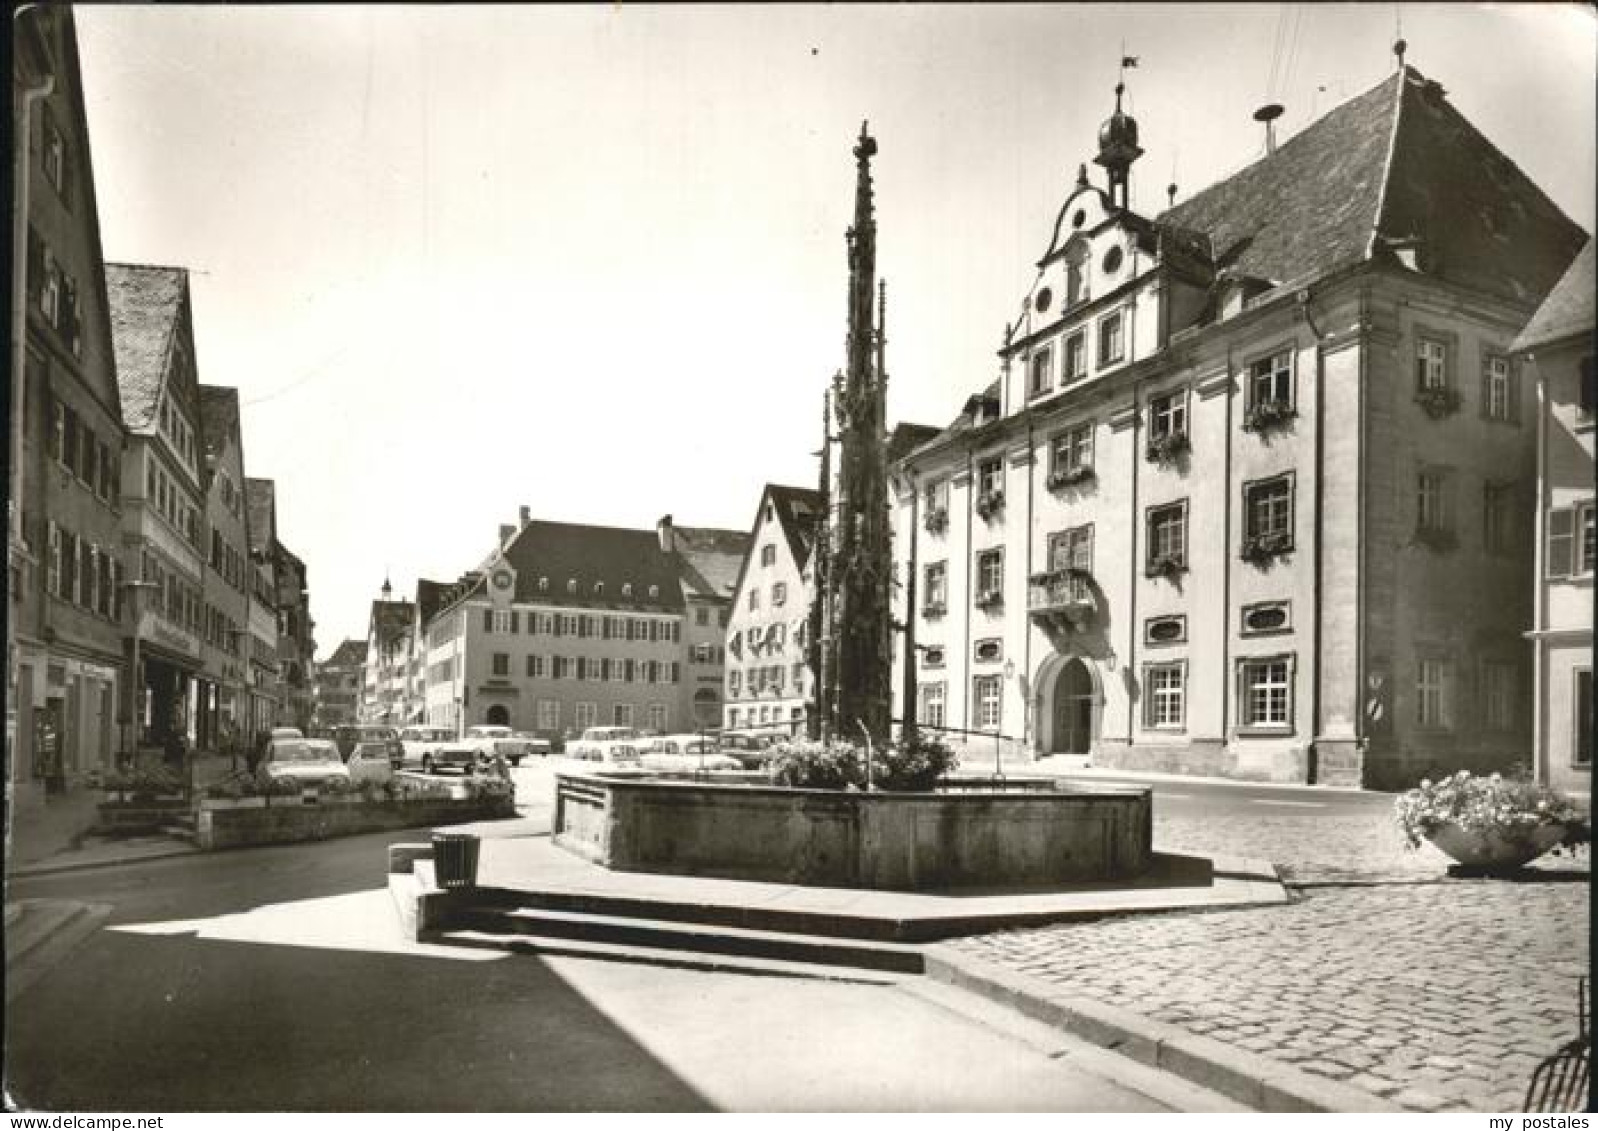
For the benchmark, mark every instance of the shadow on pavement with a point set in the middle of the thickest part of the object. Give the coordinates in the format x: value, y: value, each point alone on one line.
x: 177, y: 1023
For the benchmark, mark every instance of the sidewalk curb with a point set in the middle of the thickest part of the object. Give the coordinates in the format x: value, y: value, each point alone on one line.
x: 48, y: 869
x: 1148, y: 777
x: 1254, y: 1080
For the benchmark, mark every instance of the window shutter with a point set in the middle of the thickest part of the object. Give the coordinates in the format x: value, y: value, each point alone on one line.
x: 676, y: 672
x: 627, y: 670
x: 515, y: 622
x: 555, y: 625
x: 488, y: 620
x: 1561, y: 541
x: 604, y: 628
x: 1514, y: 390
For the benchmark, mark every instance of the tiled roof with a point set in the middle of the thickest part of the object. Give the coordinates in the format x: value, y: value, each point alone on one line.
x: 799, y: 512
x: 906, y: 438
x: 709, y: 560
x: 590, y: 556
x: 1568, y: 309
x: 1396, y: 167
x: 260, y: 504
x: 429, y: 597
x: 392, y: 620
x: 349, y: 654
x: 145, y: 302
x: 219, y: 416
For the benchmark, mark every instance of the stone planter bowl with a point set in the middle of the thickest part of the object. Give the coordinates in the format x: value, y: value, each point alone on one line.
x: 1495, y: 851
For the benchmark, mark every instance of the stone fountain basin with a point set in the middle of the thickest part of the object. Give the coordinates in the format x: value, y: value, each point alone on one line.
x: 983, y: 838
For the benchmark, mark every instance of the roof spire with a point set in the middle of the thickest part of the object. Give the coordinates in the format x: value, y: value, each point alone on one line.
x: 1400, y: 45
x: 1118, y: 146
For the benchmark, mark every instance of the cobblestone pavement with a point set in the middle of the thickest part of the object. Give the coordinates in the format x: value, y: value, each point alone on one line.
x: 1439, y: 994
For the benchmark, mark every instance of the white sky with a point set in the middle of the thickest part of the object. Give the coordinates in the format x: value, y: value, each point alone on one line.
x: 592, y: 259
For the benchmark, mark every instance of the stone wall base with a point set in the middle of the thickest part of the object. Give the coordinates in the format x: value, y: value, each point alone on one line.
x: 1278, y: 763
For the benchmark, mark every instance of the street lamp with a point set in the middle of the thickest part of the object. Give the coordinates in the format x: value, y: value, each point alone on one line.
x: 998, y: 771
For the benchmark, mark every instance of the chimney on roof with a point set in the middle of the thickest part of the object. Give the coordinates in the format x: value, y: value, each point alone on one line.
x: 668, y: 537
x: 1268, y: 114
x: 526, y: 515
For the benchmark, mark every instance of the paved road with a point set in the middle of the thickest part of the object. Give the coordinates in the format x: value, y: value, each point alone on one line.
x: 276, y: 979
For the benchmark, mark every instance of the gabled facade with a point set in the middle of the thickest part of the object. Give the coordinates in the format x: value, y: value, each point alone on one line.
x: 223, y: 711
x: 768, y: 680
x: 1253, y: 488
x: 708, y: 561
x: 390, y: 634
x: 1557, y: 349
x: 65, y: 665
x: 338, y: 685
x: 266, y: 681
x: 163, y: 497
x: 282, y: 584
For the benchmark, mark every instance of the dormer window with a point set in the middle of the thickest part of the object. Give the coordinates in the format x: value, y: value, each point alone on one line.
x: 571, y: 585
x: 654, y: 591
x: 599, y: 587
x: 627, y: 589
x: 543, y: 585
x: 1076, y: 275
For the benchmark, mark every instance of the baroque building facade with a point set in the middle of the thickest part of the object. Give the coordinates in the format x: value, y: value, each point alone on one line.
x: 1557, y: 345
x: 1252, y: 494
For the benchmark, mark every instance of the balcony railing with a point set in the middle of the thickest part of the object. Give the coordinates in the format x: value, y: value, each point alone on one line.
x: 1064, y: 593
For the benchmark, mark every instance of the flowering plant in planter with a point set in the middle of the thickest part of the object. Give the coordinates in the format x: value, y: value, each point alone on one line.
x: 990, y: 503
x: 1167, y: 448
x: 1166, y: 565
x: 1263, y: 547
x: 1512, y: 811
x: 1265, y: 415
x: 1438, y: 401
x: 937, y: 520
x: 988, y: 598
x: 1071, y: 476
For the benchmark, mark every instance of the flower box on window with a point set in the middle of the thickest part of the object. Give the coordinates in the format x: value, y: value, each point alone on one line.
x: 934, y: 610
x: 1268, y: 414
x: 1071, y: 476
x: 990, y: 503
x: 1436, y: 538
x: 1439, y: 401
x: 989, y: 598
x: 1264, y: 547
x: 937, y: 520
x: 1166, y: 565
x: 1166, y: 449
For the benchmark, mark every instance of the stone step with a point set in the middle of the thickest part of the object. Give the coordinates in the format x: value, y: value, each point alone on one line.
x: 660, y: 934
x: 42, y: 934
x: 826, y: 924
x: 655, y: 956
x: 37, y: 919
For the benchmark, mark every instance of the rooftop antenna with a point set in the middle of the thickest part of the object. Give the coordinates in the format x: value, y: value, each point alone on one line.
x: 1268, y: 114
x: 1170, y: 189
x: 1400, y: 45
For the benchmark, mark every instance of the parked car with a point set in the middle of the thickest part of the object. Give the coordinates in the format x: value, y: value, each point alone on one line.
x: 435, y: 748
x: 753, y: 751
x: 492, y: 740
x: 685, y: 752
x: 536, y: 744
x: 350, y: 735
x: 370, y: 761
x: 308, y: 761
x: 593, y: 744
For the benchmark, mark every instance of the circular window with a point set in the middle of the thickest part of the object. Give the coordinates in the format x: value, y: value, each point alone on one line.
x: 1170, y: 628
x: 1112, y: 261
x: 1266, y: 618
x: 1078, y: 218
x: 1045, y: 297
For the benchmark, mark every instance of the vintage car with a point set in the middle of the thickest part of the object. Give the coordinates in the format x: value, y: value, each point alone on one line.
x: 436, y: 748
x: 685, y: 753
x: 595, y: 743
x: 753, y: 751
x: 305, y: 761
x: 370, y: 761
x: 492, y: 741
x: 350, y: 735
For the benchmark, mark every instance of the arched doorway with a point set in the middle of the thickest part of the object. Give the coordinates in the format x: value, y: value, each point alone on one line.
x: 1073, y: 709
x: 498, y: 716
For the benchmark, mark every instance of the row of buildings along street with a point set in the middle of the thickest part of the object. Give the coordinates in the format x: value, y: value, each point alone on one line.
x: 151, y: 601
x: 1276, y: 484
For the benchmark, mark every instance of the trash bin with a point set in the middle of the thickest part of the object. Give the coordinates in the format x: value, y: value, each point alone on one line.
x: 455, y: 859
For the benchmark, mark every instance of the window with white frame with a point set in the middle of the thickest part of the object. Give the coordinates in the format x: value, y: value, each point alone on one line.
x: 990, y: 573
x: 1581, y: 741
x: 1433, y: 513
x: 501, y: 621
x: 501, y: 663
x: 1498, y: 389
x: 1072, y: 549
x: 657, y: 716
x: 1112, y: 339
x: 986, y: 694
x: 935, y: 588
x: 584, y: 714
x: 1167, y: 536
x: 1075, y: 357
x: 1042, y: 380
x: 1586, y: 549
x: 1072, y: 449
x: 768, y: 555
x: 1433, y: 693
x: 1268, y: 509
x: 618, y: 671
x: 935, y: 496
x: 1431, y: 363
x: 930, y: 712
x: 1164, y: 690
x: 1270, y: 380
x: 732, y: 718
x: 990, y: 476
x: 1266, y: 691
x: 1168, y: 415
x: 535, y: 667
x: 549, y: 714
x: 1497, y: 695
x: 569, y: 623
x: 623, y: 715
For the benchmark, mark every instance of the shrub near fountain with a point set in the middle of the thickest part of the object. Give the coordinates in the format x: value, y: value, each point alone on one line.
x: 892, y: 837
